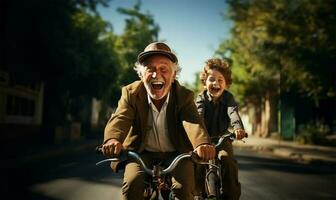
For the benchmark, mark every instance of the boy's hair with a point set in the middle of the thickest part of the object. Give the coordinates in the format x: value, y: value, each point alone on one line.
x: 221, y: 65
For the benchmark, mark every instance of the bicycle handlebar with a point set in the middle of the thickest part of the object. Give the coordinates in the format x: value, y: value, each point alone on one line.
x: 131, y: 154
x: 221, y: 140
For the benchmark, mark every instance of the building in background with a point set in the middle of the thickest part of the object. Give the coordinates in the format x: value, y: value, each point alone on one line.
x: 20, y: 110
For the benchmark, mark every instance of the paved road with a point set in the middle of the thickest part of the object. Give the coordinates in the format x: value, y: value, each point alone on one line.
x: 267, y: 178
x: 77, y: 178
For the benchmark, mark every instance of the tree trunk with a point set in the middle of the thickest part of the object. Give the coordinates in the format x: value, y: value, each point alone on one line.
x: 265, y: 116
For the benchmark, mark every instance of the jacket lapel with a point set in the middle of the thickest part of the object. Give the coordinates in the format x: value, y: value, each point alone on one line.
x: 143, y: 108
x: 171, y: 115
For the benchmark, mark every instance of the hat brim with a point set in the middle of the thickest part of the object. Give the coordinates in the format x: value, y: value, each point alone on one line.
x: 142, y: 56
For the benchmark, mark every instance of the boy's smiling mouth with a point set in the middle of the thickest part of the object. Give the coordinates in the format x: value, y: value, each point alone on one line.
x: 215, y: 89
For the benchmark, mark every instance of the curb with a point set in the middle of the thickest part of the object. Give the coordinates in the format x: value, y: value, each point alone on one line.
x: 290, y: 154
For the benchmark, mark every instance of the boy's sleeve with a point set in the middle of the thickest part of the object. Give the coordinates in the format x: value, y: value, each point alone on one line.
x: 200, y: 105
x: 233, y: 113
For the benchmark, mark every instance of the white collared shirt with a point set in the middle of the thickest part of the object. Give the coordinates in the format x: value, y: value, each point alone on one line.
x: 157, y: 138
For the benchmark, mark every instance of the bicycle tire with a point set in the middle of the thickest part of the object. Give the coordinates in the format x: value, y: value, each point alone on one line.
x: 212, y: 184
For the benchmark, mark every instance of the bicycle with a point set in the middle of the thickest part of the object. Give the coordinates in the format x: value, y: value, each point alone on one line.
x: 159, y: 186
x: 215, y: 171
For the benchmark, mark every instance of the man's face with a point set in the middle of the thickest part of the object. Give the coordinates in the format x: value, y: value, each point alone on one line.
x: 158, y: 76
x: 215, y: 83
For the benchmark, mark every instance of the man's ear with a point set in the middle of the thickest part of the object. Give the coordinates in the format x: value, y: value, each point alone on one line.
x: 174, y: 76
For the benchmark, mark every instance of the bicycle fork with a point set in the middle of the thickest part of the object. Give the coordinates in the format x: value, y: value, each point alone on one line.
x: 213, y: 182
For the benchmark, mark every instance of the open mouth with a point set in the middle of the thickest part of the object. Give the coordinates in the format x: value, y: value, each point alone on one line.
x: 215, y: 90
x: 157, y: 85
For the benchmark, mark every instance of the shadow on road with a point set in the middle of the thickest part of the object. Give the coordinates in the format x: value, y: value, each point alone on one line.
x: 18, y: 179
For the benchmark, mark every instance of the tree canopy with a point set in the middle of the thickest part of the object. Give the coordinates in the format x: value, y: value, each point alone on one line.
x: 282, y: 46
x: 61, y: 44
x: 68, y: 47
x: 139, y: 31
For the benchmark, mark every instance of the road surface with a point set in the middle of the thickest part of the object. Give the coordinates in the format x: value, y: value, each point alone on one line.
x: 76, y: 177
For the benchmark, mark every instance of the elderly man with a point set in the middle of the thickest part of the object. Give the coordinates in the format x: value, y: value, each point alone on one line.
x: 157, y: 117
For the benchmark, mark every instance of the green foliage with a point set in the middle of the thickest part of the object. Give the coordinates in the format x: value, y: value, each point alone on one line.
x: 282, y: 44
x: 68, y: 47
x: 197, y: 87
x: 139, y: 31
x: 92, y: 56
x: 63, y: 44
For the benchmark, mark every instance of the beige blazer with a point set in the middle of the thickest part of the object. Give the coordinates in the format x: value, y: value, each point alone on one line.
x: 129, y: 123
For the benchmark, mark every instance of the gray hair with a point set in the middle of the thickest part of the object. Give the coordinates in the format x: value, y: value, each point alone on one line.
x: 140, y: 69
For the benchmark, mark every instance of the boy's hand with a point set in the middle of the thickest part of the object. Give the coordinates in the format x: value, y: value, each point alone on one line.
x: 240, y: 134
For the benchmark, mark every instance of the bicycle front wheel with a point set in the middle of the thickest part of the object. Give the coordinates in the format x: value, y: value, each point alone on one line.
x: 212, y: 185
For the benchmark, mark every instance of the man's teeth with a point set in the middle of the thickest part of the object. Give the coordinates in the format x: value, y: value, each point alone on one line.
x: 157, y: 82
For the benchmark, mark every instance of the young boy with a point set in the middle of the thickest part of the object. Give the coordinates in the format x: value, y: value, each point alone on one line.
x: 219, y: 110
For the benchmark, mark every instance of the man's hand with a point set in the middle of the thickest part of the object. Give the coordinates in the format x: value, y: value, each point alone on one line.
x: 240, y: 134
x: 112, y: 148
x: 206, y: 151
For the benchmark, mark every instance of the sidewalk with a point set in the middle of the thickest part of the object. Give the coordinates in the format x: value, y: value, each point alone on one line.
x: 290, y: 150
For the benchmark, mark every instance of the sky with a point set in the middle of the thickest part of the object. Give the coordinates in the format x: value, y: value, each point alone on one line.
x: 192, y: 28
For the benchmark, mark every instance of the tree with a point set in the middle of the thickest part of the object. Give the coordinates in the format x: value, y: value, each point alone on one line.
x: 140, y: 30
x: 288, y: 39
x: 64, y: 44
x: 282, y: 47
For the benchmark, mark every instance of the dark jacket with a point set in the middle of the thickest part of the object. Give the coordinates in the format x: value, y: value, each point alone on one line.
x: 218, y: 117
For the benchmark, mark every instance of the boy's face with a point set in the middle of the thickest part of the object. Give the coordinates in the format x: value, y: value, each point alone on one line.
x: 215, y: 83
x: 158, y: 76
